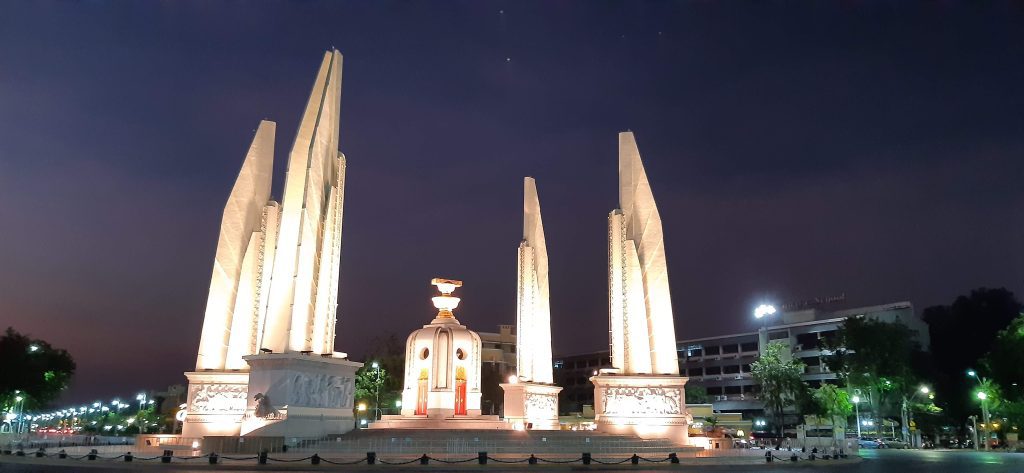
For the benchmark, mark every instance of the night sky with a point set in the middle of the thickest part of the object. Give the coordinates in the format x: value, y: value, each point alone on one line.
x: 795, y: 149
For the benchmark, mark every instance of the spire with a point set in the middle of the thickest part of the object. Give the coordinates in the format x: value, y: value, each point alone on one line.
x: 242, y: 216
x: 533, y: 331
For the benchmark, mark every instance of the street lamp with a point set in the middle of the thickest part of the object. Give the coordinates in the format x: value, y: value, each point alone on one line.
x: 983, y: 397
x: 856, y: 406
x: 376, y: 388
x: 907, y: 415
x: 763, y: 311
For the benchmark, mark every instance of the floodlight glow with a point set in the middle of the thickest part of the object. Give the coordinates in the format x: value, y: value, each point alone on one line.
x: 33, y: 348
x: 855, y: 399
x: 924, y: 389
x: 362, y: 406
x: 982, y: 395
x: 375, y: 365
x: 763, y: 310
x: 971, y: 373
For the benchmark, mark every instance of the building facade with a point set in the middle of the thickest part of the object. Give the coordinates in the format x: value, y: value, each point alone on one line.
x: 721, y: 365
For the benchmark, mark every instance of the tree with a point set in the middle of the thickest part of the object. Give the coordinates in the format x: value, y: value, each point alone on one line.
x: 388, y: 351
x: 961, y: 334
x: 1005, y: 362
x: 879, y: 358
x: 33, y: 370
x: 835, y: 403
x: 696, y: 394
x: 779, y: 379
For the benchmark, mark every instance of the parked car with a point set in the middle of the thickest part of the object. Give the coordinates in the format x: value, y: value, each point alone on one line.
x: 890, y: 442
x: 868, y: 442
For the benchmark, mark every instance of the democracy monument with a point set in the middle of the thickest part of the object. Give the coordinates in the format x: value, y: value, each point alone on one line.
x: 267, y: 366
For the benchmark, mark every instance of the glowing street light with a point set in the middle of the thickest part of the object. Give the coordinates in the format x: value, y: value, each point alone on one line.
x: 982, y: 395
x: 764, y: 310
x: 856, y: 405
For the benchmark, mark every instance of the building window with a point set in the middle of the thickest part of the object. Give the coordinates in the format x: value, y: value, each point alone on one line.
x: 696, y: 372
x: 749, y: 346
x: 731, y: 369
x: 729, y: 349
x: 711, y: 370
x: 811, y: 361
x: 779, y: 335
x: 807, y: 341
x: 711, y: 350
x: 694, y: 351
x: 746, y: 368
x: 714, y: 390
x: 749, y: 388
x: 732, y: 389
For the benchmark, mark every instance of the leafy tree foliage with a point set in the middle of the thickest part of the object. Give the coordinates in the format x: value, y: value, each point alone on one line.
x: 35, y: 368
x: 1005, y: 362
x: 697, y: 394
x: 961, y: 334
x: 878, y: 358
x: 388, y: 351
x: 779, y: 377
x: 835, y: 404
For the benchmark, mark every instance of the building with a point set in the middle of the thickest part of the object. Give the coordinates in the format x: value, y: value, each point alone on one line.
x: 498, y: 357
x: 572, y: 373
x: 721, y: 364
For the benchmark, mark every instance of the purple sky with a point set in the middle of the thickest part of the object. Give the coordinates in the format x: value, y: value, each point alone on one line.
x: 795, y: 150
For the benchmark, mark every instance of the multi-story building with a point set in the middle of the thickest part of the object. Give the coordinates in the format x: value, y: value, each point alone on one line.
x: 498, y: 357
x: 573, y: 374
x: 722, y: 364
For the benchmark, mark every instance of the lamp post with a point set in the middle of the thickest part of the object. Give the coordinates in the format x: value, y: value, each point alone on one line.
x: 376, y: 389
x: 983, y: 397
x: 905, y: 413
x: 856, y: 407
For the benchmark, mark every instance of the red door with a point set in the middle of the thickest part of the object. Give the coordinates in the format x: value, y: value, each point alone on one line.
x: 421, y: 398
x: 460, y: 397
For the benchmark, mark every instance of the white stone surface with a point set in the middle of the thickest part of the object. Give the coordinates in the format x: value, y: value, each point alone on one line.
x: 641, y: 327
x: 241, y: 219
x: 314, y: 175
x: 651, y: 406
x: 275, y: 286
x: 533, y: 309
x: 531, y: 405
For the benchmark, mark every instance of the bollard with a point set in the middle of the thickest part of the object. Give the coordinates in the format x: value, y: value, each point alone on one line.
x: 284, y: 449
x: 92, y: 454
x: 371, y: 458
x: 21, y: 453
x: 7, y: 451
x: 793, y: 458
x: 128, y: 457
x: 481, y: 457
x: 62, y: 454
x: 166, y: 457
x: 424, y: 459
x: 213, y: 458
x: 768, y: 456
x: 810, y: 457
x: 586, y: 458
x: 532, y: 460
x: 814, y: 450
x: 674, y: 459
x: 635, y: 459
x: 315, y: 459
x: 40, y: 453
x: 262, y: 459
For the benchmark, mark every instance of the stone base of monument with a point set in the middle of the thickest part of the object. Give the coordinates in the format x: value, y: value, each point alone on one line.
x: 648, y: 406
x: 468, y: 422
x: 283, y: 394
x: 531, y: 406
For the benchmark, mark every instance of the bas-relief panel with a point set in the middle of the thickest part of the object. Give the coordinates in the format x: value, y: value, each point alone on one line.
x: 217, y: 398
x: 315, y: 390
x: 641, y: 401
x: 542, y: 406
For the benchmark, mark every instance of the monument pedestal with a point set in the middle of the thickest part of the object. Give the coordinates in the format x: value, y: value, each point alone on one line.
x: 282, y: 394
x: 649, y: 406
x: 531, y: 405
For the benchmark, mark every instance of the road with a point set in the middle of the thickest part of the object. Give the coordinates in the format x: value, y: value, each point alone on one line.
x: 875, y: 461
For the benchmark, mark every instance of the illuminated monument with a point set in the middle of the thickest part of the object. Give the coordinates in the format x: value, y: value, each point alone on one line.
x: 442, y: 373
x: 642, y: 393
x: 266, y: 363
x: 531, y: 400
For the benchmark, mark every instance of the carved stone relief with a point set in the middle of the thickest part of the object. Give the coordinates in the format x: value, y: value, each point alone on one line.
x: 641, y: 401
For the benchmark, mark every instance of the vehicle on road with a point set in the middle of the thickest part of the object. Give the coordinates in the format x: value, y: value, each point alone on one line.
x: 889, y: 442
x: 869, y: 442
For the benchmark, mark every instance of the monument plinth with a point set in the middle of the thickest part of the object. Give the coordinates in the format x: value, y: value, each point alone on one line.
x: 442, y: 373
x: 643, y: 392
x: 266, y: 362
x: 530, y: 397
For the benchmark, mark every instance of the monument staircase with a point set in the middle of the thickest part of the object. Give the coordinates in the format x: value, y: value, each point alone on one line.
x: 455, y: 442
